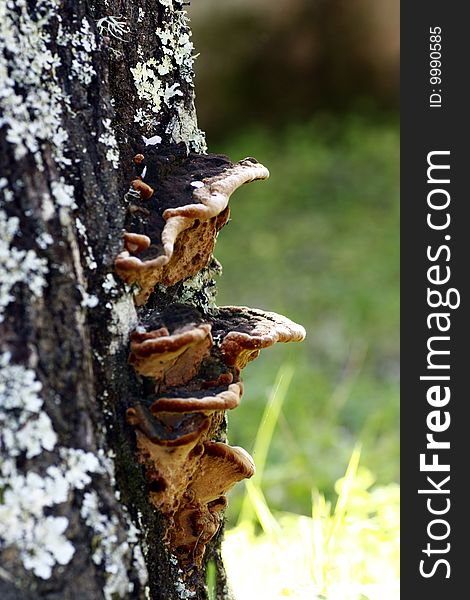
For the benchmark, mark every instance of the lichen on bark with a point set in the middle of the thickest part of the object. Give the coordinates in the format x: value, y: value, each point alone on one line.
x: 84, y: 87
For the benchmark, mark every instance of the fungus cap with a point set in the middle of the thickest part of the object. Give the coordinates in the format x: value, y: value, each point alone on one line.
x: 195, y: 524
x: 135, y: 242
x: 170, y: 359
x: 221, y: 467
x: 145, y: 191
x: 189, y: 232
x: 182, y: 431
x: 243, y: 332
x: 207, y: 402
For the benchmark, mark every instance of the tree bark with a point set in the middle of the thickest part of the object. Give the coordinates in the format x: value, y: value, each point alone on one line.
x: 75, y: 519
x: 84, y: 513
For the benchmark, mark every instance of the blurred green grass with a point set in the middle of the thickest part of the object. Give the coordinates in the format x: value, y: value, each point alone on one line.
x: 348, y: 550
x: 319, y: 243
x: 345, y: 551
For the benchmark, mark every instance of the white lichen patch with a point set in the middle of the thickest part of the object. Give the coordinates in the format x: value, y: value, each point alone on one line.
x: 180, y: 586
x: 176, y: 43
x: 165, y: 66
x: 152, y: 141
x: 113, y: 26
x: 139, y: 564
x: 44, y: 240
x: 110, y: 285
x: 31, y: 430
x: 108, y: 139
x: 123, y: 321
x: 111, y: 552
x: 78, y: 465
x: 41, y: 539
x: 158, y: 82
x: 8, y: 195
x: 116, y: 554
x: 25, y: 428
x: 170, y: 92
x: 148, y: 85
x: 31, y: 99
x: 63, y: 194
x: 88, y: 300
x: 27, y: 499
x: 48, y: 546
x: 201, y: 284
x: 89, y: 256
x: 183, y: 128
x: 183, y: 591
x: 83, y: 44
x: 140, y: 117
x: 18, y: 266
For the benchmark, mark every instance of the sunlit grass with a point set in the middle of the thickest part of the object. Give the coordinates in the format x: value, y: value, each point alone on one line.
x: 348, y: 551
x: 318, y: 242
x: 254, y: 499
x: 347, y: 556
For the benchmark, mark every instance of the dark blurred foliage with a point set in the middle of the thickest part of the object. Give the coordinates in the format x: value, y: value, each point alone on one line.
x: 319, y: 243
x: 272, y: 62
x: 310, y: 88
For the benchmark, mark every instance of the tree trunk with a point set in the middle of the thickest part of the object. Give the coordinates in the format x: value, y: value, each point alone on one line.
x: 83, y: 514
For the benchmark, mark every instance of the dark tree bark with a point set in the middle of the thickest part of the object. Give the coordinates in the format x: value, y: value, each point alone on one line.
x: 81, y: 84
x: 72, y: 119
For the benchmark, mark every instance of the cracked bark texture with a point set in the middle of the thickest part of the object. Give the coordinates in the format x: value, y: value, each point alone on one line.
x: 69, y: 104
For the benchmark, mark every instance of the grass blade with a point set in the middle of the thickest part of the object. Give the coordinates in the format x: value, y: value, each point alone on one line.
x: 250, y: 505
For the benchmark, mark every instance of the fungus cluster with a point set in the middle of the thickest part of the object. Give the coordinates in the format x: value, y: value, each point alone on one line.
x: 188, y: 359
x: 177, y: 205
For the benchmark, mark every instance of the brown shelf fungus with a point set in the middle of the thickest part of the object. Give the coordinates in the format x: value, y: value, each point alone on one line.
x: 169, y: 448
x: 170, y: 359
x: 188, y: 357
x: 221, y: 466
x: 134, y: 242
x: 185, y: 203
x: 187, y: 474
x: 144, y: 190
x: 242, y: 332
x: 205, y: 401
x: 193, y: 360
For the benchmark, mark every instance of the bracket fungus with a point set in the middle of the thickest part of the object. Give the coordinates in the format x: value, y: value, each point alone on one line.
x: 220, y: 467
x: 245, y: 331
x: 181, y: 205
x: 187, y: 474
x: 188, y: 359
x: 169, y: 448
x: 194, y: 360
x: 204, y: 401
x: 144, y: 190
x: 170, y: 359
